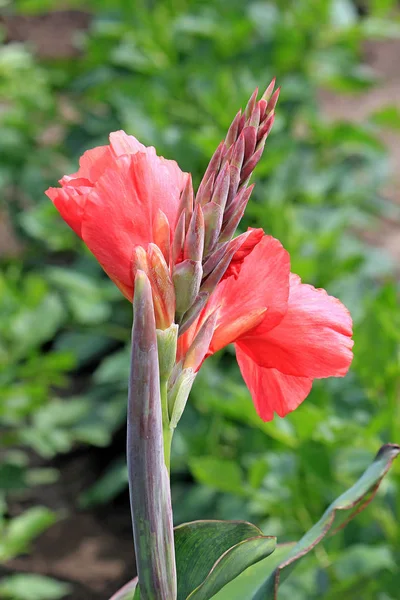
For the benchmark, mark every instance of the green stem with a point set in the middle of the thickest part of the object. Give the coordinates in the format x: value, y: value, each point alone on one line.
x: 167, y: 431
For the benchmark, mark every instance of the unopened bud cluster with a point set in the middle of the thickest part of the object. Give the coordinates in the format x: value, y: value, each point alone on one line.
x: 185, y: 263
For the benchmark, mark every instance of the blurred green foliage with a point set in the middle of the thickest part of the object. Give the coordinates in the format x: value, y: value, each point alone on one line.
x: 174, y: 73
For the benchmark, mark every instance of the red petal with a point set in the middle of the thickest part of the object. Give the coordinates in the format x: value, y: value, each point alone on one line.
x: 312, y: 340
x: 122, y: 143
x: 70, y: 203
x: 119, y: 210
x: 271, y: 390
x: 261, y: 288
x: 92, y: 165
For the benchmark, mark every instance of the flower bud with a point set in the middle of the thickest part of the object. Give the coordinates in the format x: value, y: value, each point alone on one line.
x: 191, y: 315
x: 194, y: 241
x: 211, y: 171
x: 187, y: 279
x: 178, y: 395
x: 186, y: 204
x: 251, y: 103
x: 161, y: 234
x: 153, y: 264
x: 268, y: 92
x: 213, y: 215
x: 166, y: 344
x: 201, y: 343
x: 151, y: 508
x: 232, y: 134
x: 179, y: 239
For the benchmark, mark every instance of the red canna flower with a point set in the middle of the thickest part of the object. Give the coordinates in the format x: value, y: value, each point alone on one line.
x: 286, y: 333
x: 123, y: 196
x: 137, y: 211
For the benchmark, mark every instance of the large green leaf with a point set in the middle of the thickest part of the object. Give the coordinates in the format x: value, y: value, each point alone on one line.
x: 262, y: 581
x: 209, y: 554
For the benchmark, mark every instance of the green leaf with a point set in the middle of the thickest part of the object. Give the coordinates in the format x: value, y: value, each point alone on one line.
x: 22, y: 530
x: 32, y: 587
x: 261, y: 581
x: 253, y: 577
x: 209, y: 554
x: 337, y: 515
x: 223, y: 475
x: 389, y: 117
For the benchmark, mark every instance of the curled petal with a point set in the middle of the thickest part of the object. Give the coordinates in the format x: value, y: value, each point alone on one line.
x: 70, y: 202
x: 92, y: 165
x: 119, y: 210
x: 113, y: 200
x: 312, y: 340
x: 261, y: 288
x: 122, y: 143
x: 272, y: 391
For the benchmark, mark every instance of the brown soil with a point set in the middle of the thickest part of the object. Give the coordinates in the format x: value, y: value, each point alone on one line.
x: 52, y: 35
x: 91, y: 550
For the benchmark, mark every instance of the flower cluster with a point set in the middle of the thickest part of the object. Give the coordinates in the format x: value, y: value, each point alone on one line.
x: 137, y: 212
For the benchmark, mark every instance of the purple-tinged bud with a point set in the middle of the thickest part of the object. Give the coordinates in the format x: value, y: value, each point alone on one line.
x: 250, y: 141
x: 241, y: 123
x: 254, y: 119
x: 191, y: 315
x: 217, y: 274
x: 212, y: 169
x: 187, y: 280
x: 238, y: 152
x: 234, y: 174
x: 233, y: 132
x: 268, y: 92
x: 194, y: 241
x: 213, y: 215
x: 241, y: 198
x: 251, y: 165
x: 274, y: 99
x: 263, y: 108
x: 161, y: 234
x: 206, y: 191
x: 232, y: 223
x: 201, y: 343
x: 151, y: 508
x: 187, y: 199
x: 221, y: 187
x: 251, y: 103
x: 266, y: 126
x: 178, y: 395
x: 215, y: 258
x: 162, y: 287
x: 179, y: 238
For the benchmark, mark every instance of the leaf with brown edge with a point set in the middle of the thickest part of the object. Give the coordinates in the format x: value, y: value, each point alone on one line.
x: 336, y: 516
x: 261, y: 581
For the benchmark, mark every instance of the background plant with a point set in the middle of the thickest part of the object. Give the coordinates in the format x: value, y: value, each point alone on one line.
x: 173, y: 73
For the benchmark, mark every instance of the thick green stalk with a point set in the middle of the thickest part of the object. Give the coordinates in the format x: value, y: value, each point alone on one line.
x: 148, y: 477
